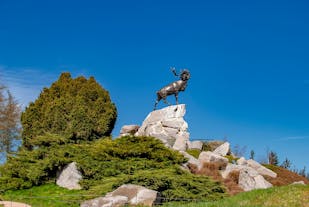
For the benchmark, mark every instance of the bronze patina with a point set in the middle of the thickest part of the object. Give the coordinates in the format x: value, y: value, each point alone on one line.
x: 173, y: 88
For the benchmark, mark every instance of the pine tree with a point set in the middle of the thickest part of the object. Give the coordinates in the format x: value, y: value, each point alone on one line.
x: 252, y: 153
x: 286, y: 163
x: 273, y: 158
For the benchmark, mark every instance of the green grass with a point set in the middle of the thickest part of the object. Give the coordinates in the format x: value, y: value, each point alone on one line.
x: 45, y: 195
x: 285, y: 196
x: 53, y: 196
x: 194, y: 152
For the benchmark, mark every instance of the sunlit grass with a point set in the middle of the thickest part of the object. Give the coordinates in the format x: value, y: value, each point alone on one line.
x: 286, y: 196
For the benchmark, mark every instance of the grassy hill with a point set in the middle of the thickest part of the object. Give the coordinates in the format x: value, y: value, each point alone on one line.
x: 285, y: 196
x: 105, y: 164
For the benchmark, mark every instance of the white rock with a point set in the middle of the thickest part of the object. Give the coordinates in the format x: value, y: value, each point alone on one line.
x: 260, y: 168
x: 195, y: 145
x: 250, y: 179
x: 124, y: 195
x: 168, y: 125
x: 229, y: 168
x: 241, y: 161
x: 181, y: 141
x: 223, y: 149
x: 69, y: 177
x: 211, y: 157
x: 298, y: 183
x: 107, y: 201
x: 144, y: 197
x: 128, y: 130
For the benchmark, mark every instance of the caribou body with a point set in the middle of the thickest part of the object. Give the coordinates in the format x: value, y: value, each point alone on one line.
x: 173, y: 88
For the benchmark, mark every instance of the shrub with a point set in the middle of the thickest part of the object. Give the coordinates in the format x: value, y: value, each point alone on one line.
x: 97, y: 160
x: 76, y: 109
x: 175, y: 184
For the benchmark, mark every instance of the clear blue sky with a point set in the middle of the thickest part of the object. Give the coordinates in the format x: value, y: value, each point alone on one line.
x: 248, y: 61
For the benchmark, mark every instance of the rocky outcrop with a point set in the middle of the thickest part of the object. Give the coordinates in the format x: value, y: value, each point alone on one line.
x: 195, y: 145
x: 260, y: 168
x: 69, y: 177
x: 125, y: 195
x: 250, y: 179
x: 223, y: 149
x: 128, y: 130
x: 168, y: 125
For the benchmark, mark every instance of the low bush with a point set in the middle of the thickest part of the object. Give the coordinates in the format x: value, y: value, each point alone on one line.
x: 175, y: 184
x: 96, y: 160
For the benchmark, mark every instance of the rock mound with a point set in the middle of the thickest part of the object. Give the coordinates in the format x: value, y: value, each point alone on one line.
x: 124, y: 195
x: 168, y: 125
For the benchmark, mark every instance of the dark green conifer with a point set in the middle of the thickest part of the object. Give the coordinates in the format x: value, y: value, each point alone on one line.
x: 78, y: 109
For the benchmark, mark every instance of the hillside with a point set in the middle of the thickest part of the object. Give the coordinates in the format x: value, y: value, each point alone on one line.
x: 285, y: 196
x: 106, y: 164
x: 285, y: 176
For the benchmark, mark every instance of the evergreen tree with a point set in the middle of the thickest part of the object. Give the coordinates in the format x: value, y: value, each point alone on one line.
x: 273, y: 158
x: 252, y: 153
x: 77, y: 109
x: 286, y: 163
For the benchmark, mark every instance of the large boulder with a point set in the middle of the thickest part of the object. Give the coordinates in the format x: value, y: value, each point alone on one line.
x: 229, y: 168
x: 260, y: 168
x: 206, y: 157
x: 69, y: 177
x: 124, y: 195
x: 250, y: 179
x: 223, y: 149
x: 128, y: 130
x: 168, y: 125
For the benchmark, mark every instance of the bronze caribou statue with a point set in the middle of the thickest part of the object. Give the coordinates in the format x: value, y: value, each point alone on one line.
x: 174, y: 87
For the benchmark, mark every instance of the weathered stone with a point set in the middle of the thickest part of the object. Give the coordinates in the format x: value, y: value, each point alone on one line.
x: 129, y: 130
x: 181, y: 141
x: 223, y: 149
x: 195, y: 145
x: 250, y: 179
x: 212, y: 157
x: 260, y: 168
x: 125, y: 194
x: 69, y: 177
x: 13, y: 204
x: 168, y: 125
x: 229, y: 168
x: 241, y: 161
x: 107, y: 201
